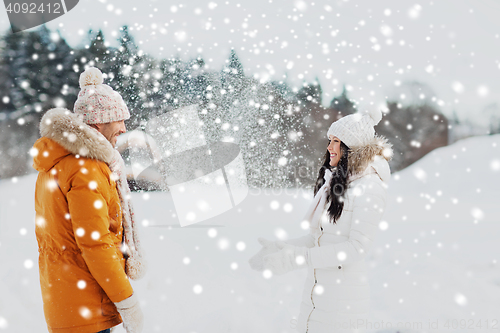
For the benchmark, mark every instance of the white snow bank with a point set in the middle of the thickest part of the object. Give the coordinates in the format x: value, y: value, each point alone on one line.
x: 427, y: 267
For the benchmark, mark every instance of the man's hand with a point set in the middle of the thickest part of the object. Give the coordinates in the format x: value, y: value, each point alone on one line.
x: 131, y: 314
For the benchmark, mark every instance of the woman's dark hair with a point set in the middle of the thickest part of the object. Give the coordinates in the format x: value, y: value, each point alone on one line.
x: 338, y: 184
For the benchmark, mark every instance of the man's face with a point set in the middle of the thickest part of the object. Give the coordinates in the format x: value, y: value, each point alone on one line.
x: 112, y: 130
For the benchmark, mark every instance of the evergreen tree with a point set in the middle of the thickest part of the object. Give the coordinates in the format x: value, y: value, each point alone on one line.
x: 65, y: 77
x: 127, y: 69
x: 175, y: 75
x: 235, y: 66
x: 310, y: 93
x: 97, y: 47
x: 284, y: 91
x: 196, y: 81
x: 33, y: 67
x: 10, y: 54
x: 343, y: 105
x: 232, y: 75
x: 18, y: 70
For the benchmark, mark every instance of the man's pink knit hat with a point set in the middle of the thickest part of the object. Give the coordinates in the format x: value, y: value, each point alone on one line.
x: 98, y: 103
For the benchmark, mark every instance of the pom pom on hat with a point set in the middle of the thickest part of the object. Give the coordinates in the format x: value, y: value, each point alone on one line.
x: 91, y: 76
x: 376, y: 115
x: 98, y: 103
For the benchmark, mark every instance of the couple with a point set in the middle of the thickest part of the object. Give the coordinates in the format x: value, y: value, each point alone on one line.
x: 88, y: 240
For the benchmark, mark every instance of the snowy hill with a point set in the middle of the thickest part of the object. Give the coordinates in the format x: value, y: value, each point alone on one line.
x: 436, y: 263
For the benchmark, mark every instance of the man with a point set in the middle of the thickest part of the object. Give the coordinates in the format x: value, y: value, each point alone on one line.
x: 84, y: 220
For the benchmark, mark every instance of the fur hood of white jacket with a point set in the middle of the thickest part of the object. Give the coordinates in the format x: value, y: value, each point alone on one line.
x: 375, y: 155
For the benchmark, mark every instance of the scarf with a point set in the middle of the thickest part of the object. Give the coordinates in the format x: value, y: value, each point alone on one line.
x: 135, y: 266
x: 313, y: 214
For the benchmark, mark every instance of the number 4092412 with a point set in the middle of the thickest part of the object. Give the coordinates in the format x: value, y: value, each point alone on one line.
x: 33, y: 8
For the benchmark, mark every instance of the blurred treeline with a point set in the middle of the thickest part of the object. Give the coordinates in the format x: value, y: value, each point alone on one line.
x: 281, y: 130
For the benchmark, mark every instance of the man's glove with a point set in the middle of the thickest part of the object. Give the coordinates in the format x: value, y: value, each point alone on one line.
x: 131, y: 314
x: 287, y: 259
x: 268, y: 247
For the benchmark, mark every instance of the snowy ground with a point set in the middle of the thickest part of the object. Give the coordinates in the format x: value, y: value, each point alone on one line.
x: 436, y: 265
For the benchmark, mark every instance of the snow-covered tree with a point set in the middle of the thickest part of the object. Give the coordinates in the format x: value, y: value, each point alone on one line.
x: 342, y: 104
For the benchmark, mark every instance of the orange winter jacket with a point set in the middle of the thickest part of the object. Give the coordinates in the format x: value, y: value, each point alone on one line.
x: 79, y: 233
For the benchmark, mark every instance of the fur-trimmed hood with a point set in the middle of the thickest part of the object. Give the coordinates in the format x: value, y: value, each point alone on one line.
x: 375, y: 154
x: 67, y: 129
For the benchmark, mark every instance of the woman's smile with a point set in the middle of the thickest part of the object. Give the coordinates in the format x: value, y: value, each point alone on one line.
x: 335, y: 151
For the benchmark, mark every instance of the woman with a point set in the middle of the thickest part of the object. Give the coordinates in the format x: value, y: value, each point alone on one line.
x: 349, y: 201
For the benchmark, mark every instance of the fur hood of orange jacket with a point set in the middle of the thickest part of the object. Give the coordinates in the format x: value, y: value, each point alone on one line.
x: 78, y: 226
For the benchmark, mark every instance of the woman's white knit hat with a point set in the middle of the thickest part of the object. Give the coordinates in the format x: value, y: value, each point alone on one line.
x: 356, y: 130
x: 98, y: 103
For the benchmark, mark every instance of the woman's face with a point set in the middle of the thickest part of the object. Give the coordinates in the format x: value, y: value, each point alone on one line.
x: 335, y: 151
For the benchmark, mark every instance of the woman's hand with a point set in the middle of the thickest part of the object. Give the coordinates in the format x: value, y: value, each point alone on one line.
x: 287, y: 259
x: 268, y: 247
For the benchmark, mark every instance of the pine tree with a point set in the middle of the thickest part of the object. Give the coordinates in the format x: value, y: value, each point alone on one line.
x: 33, y: 66
x: 16, y: 69
x: 8, y: 56
x: 343, y: 105
x: 66, y: 79
x: 232, y: 75
x: 101, y: 56
x: 235, y: 66
x: 127, y: 73
x: 310, y: 93
x: 196, y: 82
x: 98, y: 47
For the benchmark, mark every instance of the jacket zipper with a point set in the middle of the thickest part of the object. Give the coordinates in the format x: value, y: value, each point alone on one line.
x: 312, y: 290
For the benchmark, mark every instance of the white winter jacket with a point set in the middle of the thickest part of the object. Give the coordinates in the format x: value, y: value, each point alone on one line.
x: 336, y: 292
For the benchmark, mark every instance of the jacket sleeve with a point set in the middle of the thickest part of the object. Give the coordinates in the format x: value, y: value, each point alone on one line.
x: 368, y: 208
x: 90, y: 219
x: 304, y: 241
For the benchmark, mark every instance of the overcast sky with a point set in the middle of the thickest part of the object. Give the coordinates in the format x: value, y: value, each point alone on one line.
x: 370, y: 46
